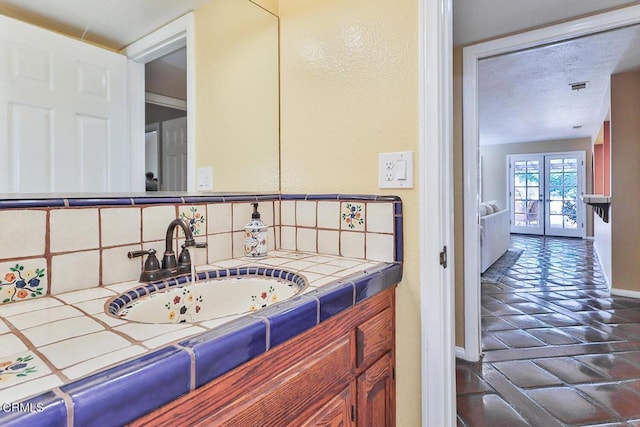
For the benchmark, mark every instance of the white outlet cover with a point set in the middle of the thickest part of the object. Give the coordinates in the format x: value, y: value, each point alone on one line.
x: 388, y: 176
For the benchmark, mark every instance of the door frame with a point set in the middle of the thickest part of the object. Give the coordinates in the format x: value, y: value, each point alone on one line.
x: 173, y: 36
x: 471, y: 55
x: 435, y: 169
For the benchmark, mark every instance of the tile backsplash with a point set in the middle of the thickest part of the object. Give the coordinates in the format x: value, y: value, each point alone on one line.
x: 76, y: 244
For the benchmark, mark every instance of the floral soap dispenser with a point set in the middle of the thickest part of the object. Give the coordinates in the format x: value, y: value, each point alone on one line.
x: 255, y: 237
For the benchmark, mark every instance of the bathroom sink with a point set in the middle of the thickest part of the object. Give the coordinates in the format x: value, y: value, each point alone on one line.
x: 206, y: 298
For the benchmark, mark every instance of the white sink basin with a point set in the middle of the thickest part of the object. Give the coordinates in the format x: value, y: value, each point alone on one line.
x: 207, y: 299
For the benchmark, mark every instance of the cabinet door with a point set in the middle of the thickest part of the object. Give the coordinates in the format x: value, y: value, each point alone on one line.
x: 376, y: 390
x: 338, y: 412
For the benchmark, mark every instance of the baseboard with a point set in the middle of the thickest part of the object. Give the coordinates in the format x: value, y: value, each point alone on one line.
x: 625, y: 293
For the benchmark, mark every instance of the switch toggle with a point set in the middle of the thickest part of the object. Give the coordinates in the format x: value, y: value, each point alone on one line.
x: 401, y: 170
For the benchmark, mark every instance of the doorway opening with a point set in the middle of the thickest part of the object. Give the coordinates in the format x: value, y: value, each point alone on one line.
x: 166, y: 120
x: 472, y: 55
x: 172, y: 47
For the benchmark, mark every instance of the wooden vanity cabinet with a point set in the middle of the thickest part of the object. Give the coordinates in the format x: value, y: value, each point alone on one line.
x: 340, y: 373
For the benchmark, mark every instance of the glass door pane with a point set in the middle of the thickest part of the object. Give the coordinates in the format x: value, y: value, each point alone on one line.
x: 564, y: 183
x: 525, y: 194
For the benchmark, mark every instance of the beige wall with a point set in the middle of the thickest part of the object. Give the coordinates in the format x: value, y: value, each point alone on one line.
x: 494, y: 166
x: 625, y: 176
x: 237, y: 113
x: 271, y: 5
x: 350, y: 91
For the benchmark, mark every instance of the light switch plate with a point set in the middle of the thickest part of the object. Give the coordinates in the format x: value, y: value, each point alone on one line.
x: 204, y: 179
x: 395, y: 170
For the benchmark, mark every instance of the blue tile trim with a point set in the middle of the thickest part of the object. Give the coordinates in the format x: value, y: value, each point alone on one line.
x: 289, y: 318
x: 222, y: 349
x: 293, y: 197
x: 397, y: 207
x: 334, y: 298
x: 157, y: 200
x: 322, y: 196
x: 204, y: 199
x: 240, y: 198
x: 399, y: 239
x: 268, y: 198
x: 127, y: 392
x: 26, y: 204
x: 363, y: 197
x: 47, y: 409
x: 368, y: 285
x: 122, y: 201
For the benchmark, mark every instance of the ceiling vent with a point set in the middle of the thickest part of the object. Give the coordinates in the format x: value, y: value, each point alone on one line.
x: 578, y: 85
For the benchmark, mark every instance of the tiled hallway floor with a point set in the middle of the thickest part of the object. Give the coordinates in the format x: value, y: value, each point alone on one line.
x: 558, y: 349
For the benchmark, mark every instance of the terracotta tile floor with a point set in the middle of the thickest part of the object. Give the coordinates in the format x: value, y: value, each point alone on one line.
x: 559, y: 350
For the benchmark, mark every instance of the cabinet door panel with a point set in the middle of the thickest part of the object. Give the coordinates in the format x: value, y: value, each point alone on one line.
x: 337, y: 413
x: 376, y: 390
x: 296, y: 393
x: 374, y: 338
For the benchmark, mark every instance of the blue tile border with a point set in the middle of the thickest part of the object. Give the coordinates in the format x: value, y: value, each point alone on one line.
x: 26, y: 204
x: 121, y: 201
x: 227, y: 347
x: 289, y: 318
x: 47, y: 409
x: 122, y: 394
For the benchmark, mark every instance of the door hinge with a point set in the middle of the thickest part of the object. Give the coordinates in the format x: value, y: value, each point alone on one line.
x: 353, y: 413
x: 443, y: 257
x: 393, y: 373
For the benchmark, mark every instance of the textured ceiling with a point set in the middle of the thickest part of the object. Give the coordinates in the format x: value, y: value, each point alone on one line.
x: 110, y: 23
x: 526, y: 96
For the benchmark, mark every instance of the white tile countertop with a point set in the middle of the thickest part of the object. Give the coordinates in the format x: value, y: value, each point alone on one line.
x: 51, y: 341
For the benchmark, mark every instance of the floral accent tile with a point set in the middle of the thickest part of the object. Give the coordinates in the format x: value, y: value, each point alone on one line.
x: 266, y: 297
x: 20, y: 368
x: 195, y: 218
x: 22, y: 281
x: 353, y: 216
x: 184, y: 308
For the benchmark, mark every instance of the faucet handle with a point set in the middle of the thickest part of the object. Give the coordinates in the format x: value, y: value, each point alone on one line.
x: 151, y: 270
x: 201, y: 245
x: 135, y: 254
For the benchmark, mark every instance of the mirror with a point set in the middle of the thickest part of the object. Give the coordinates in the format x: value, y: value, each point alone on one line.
x: 235, y: 114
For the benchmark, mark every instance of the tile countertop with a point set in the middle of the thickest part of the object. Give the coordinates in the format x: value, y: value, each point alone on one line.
x: 85, y: 367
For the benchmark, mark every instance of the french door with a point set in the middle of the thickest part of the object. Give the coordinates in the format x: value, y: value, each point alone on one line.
x: 544, y: 191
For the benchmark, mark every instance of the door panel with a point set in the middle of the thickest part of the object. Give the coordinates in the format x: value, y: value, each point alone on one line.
x: 63, y: 102
x: 543, y: 194
x: 526, y: 192
x: 564, y: 181
x: 174, y: 155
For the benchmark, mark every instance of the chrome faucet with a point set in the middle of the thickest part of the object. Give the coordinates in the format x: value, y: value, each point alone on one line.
x: 171, y: 266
